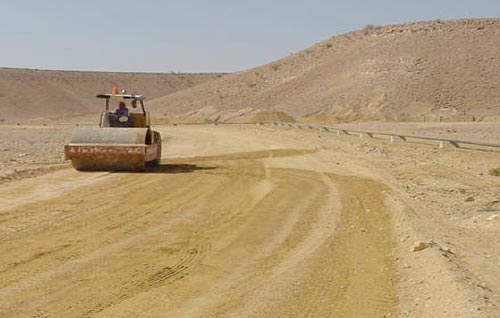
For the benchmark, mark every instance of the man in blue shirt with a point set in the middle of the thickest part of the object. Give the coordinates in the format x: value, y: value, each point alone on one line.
x: 122, y: 110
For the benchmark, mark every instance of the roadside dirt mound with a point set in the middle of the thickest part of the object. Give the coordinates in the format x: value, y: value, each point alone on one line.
x: 438, y: 70
x: 29, y: 94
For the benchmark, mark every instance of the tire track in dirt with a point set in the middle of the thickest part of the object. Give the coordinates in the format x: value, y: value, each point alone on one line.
x: 348, y: 271
x: 360, y: 253
x: 258, y: 242
x: 160, y: 278
x: 311, y: 237
x: 92, y: 247
x: 177, y: 271
x: 195, y: 194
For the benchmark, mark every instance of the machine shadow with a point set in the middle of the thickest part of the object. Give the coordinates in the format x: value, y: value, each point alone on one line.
x: 176, y: 168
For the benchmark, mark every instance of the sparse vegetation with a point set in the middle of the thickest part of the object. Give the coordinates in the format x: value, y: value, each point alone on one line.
x: 495, y: 172
x: 370, y: 27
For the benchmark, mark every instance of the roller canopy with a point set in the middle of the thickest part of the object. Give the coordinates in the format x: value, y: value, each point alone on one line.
x: 125, y: 96
x: 109, y: 136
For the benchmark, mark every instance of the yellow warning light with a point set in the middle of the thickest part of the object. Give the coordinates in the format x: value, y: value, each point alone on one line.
x: 116, y: 90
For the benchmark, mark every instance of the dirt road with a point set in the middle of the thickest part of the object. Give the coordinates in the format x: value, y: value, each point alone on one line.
x: 255, y: 221
x: 231, y: 225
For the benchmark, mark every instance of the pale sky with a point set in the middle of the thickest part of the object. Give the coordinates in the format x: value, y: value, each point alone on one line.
x: 194, y: 35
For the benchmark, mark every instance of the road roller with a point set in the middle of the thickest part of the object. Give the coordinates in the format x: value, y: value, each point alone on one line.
x: 124, y: 140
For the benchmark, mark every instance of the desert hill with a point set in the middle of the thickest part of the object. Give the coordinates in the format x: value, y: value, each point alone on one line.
x: 434, y: 70
x: 29, y: 94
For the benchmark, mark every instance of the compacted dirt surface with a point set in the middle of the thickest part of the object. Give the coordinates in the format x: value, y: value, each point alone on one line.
x: 253, y: 221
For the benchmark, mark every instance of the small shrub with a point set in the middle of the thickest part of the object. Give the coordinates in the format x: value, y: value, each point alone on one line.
x: 495, y: 172
x: 370, y: 28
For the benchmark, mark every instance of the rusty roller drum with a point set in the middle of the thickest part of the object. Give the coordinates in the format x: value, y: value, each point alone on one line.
x: 111, y: 149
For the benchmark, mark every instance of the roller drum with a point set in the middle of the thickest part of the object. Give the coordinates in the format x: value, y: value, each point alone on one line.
x: 110, y: 149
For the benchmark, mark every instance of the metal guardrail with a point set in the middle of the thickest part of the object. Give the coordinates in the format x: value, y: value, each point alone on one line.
x: 394, y: 136
x: 339, y: 130
x: 361, y: 133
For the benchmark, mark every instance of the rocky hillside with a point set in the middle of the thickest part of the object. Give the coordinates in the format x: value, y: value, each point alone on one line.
x: 30, y: 94
x: 439, y: 70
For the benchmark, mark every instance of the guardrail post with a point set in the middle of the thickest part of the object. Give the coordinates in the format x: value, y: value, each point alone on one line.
x: 395, y: 138
x: 443, y: 144
x: 365, y: 134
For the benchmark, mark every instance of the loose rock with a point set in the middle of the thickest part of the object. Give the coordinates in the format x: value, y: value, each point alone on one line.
x: 420, y: 246
x: 492, y: 217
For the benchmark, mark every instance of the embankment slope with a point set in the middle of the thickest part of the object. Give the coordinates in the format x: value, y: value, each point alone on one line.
x: 447, y: 69
x: 29, y: 94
